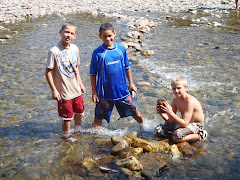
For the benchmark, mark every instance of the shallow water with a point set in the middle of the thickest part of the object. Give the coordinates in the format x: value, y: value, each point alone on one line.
x: 31, y: 145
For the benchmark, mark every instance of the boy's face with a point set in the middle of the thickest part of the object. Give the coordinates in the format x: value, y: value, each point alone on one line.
x: 107, y: 37
x: 179, y: 89
x: 67, y: 35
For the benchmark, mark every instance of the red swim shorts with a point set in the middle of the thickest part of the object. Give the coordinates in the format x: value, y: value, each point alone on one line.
x: 66, y: 108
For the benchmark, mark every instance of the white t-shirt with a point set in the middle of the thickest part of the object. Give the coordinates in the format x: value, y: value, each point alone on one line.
x: 63, y: 62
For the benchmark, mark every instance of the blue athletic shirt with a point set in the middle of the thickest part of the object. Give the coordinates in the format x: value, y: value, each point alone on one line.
x: 109, y: 66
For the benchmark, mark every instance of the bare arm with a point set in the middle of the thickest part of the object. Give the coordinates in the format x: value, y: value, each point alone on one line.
x: 165, y: 115
x: 94, y: 91
x: 55, y: 93
x: 129, y: 77
x: 186, y: 115
x: 80, y: 81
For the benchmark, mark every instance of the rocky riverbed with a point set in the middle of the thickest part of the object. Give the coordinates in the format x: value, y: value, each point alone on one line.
x: 18, y: 10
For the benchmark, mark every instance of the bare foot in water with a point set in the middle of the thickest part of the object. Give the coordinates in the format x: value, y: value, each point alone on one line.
x: 69, y: 139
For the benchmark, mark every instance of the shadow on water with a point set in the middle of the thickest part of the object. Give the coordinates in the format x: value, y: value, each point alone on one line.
x: 34, y: 130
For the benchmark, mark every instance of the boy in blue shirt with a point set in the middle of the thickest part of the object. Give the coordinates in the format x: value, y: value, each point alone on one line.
x: 111, y: 66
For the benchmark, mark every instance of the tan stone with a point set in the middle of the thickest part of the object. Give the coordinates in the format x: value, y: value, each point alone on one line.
x: 186, y: 149
x: 163, y: 146
x: 131, y: 163
x: 118, y: 148
x: 175, y: 151
x: 152, y: 163
x: 147, y: 52
x: 146, y: 145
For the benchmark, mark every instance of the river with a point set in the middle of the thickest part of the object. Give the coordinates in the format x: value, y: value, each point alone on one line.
x: 30, y: 138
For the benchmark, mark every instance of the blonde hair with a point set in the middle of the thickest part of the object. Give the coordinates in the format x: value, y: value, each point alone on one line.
x: 180, y: 79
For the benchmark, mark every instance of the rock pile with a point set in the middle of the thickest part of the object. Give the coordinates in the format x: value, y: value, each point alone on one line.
x: 136, y: 157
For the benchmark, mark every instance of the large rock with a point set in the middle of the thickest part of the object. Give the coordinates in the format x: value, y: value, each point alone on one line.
x: 175, y: 151
x: 130, y: 151
x: 152, y: 163
x: 128, y: 172
x: 163, y: 146
x: 146, y: 145
x: 131, y: 163
x: 118, y: 148
x: 147, y: 52
x: 117, y: 139
x: 186, y: 149
x: 89, y: 166
x: 130, y: 137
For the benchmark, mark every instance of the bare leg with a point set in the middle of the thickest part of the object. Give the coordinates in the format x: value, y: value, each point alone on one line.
x: 138, y: 118
x: 66, y: 127
x: 78, y: 120
x: 66, y: 131
x: 97, y: 122
x: 237, y: 7
x: 190, y: 137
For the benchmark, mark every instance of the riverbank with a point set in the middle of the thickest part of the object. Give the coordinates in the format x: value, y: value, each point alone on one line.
x: 19, y: 10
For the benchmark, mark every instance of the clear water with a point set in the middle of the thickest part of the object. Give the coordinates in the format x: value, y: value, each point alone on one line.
x: 30, y: 138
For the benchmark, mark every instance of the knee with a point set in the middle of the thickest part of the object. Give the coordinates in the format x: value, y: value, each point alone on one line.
x: 177, y: 135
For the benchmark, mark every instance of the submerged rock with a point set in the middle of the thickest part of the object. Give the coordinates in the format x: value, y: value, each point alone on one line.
x: 186, y: 149
x: 152, y: 164
x: 147, y: 52
x: 89, y: 166
x: 128, y: 172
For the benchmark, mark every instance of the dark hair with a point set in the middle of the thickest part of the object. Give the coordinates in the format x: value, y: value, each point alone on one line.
x: 105, y: 27
x: 68, y: 24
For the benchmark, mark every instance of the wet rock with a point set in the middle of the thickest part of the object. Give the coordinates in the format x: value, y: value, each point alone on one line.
x: 131, y: 163
x: 90, y: 166
x: 134, y: 34
x: 107, y: 170
x: 186, y: 149
x: 146, y: 145
x: 147, y: 52
x: 175, y: 151
x: 216, y: 24
x: 117, y: 139
x: 160, y: 103
x: 130, y: 137
x: 143, y: 83
x: 128, y: 172
x: 163, y: 146
x: 106, y: 159
x: 130, y: 151
x: 7, y: 37
x: 152, y: 163
x: 118, y: 148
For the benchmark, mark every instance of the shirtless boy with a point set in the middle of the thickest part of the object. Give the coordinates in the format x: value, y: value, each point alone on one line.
x: 189, y: 127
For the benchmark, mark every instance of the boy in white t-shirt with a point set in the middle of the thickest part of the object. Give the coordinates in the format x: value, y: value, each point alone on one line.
x: 64, y: 79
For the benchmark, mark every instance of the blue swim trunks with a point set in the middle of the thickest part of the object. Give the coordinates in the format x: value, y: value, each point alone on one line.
x: 125, y: 107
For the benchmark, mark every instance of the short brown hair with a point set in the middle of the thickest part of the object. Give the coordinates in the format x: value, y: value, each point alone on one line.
x: 105, y: 27
x: 68, y: 24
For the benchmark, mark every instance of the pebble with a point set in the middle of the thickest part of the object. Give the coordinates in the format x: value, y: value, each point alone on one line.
x: 15, y: 10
